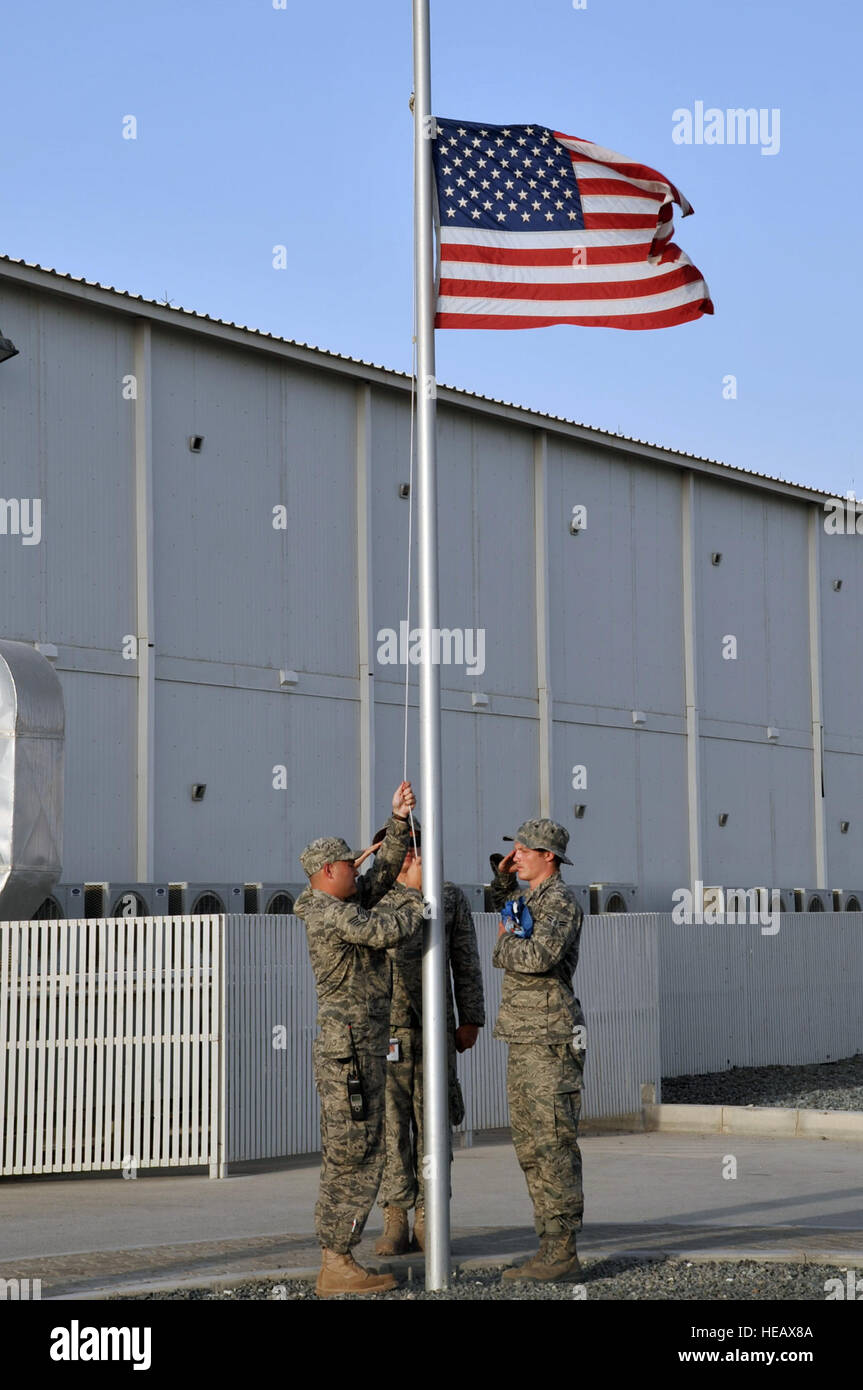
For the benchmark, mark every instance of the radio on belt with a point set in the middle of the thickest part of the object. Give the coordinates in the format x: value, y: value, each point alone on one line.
x: 356, y: 1099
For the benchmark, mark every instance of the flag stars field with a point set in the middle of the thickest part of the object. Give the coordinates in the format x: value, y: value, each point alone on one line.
x: 477, y: 156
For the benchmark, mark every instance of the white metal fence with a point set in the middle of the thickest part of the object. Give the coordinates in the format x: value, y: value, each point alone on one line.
x: 109, y: 1044
x: 161, y: 1042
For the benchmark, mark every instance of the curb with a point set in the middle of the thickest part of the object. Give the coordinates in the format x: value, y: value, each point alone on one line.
x: 771, y: 1122
x: 199, y: 1281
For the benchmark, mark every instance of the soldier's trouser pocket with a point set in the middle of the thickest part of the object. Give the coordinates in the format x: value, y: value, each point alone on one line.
x: 544, y: 1086
x: 567, y: 1109
x: 352, y: 1151
x: 348, y: 1141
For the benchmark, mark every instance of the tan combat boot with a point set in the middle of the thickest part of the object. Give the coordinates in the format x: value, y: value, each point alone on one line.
x: 396, y: 1237
x: 342, y: 1274
x: 419, y: 1229
x: 556, y: 1262
x: 522, y: 1271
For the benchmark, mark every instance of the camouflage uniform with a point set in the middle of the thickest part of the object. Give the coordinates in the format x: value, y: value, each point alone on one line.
x: 402, y: 1184
x: 348, y: 943
x: 538, y: 1017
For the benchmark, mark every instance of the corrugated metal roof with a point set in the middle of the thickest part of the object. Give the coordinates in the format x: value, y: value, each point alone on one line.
x: 259, y: 336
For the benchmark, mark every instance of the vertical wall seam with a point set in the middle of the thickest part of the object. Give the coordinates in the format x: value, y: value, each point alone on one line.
x: 144, y: 606
x: 543, y: 631
x: 365, y: 613
x: 816, y: 694
x: 690, y: 678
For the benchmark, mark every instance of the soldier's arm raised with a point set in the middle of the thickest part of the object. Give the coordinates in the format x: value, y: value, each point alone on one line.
x: 397, y: 916
x: 380, y: 878
x: 504, y: 883
x: 371, y: 887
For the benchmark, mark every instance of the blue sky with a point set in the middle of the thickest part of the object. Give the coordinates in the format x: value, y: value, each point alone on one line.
x: 260, y: 126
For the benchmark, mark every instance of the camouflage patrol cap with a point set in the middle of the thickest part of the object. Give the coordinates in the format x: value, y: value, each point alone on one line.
x: 329, y: 849
x: 543, y: 834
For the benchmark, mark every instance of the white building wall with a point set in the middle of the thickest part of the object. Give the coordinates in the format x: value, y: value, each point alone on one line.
x: 237, y: 600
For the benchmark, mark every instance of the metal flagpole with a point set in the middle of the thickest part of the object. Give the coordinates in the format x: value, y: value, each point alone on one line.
x: 435, y: 1159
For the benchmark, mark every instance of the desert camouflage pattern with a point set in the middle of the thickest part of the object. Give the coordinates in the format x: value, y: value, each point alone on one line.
x: 537, y: 1002
x: 329, y: 849
x: 348, y: 942
x: 352, y: 1151
x: 543, y: 1086
x: 543, y: 1023
x: 402, y: 1184
x: 464, y: 971
x: 543, y: 834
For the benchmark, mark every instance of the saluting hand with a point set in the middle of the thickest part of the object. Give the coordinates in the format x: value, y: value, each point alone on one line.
x: 361, y: 858
x: 507, y: 864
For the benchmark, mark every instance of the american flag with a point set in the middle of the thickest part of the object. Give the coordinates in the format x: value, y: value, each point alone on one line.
x: 536, y: 228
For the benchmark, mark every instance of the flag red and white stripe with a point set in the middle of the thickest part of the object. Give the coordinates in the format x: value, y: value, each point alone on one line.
x: 614, y: 265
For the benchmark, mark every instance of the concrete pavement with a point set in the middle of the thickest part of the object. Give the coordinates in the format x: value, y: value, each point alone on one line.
x: 790, y: 1199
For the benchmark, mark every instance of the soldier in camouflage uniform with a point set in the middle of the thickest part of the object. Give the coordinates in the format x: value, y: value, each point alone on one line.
x: 542, y: 1021
x: 350, y: 923
x: 402, y: 1186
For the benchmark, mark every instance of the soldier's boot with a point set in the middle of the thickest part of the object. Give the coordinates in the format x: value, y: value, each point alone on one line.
x: 419, y: 1240
x: 396, y: 1237
x: 558, y: 1261
x: 342, y: 1274
x: 522, y: 1271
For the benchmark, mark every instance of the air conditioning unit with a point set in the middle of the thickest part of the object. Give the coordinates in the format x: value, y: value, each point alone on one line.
x: 65, y: 902
x: 272, y: 899
x: 135, y: 900
x: 738, y: 899
x: 185, y: 899
x: 613, y: 897
x: 814, y: 900
x: 712, y: 898
x: 726, y: 898
x: 787, y: 900
x: 848, y: 899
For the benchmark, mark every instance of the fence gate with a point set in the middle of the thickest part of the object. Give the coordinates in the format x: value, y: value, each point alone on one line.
x: 109, y: 1044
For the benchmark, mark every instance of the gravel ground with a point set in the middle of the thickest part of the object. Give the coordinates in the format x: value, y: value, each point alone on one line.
x: 822, y: 1086
x: 609, y: 1279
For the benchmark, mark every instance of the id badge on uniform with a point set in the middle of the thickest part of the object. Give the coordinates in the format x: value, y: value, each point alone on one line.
x: 395, y: 1051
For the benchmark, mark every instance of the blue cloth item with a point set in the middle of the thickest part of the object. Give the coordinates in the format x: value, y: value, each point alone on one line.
x: 517, y: 919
